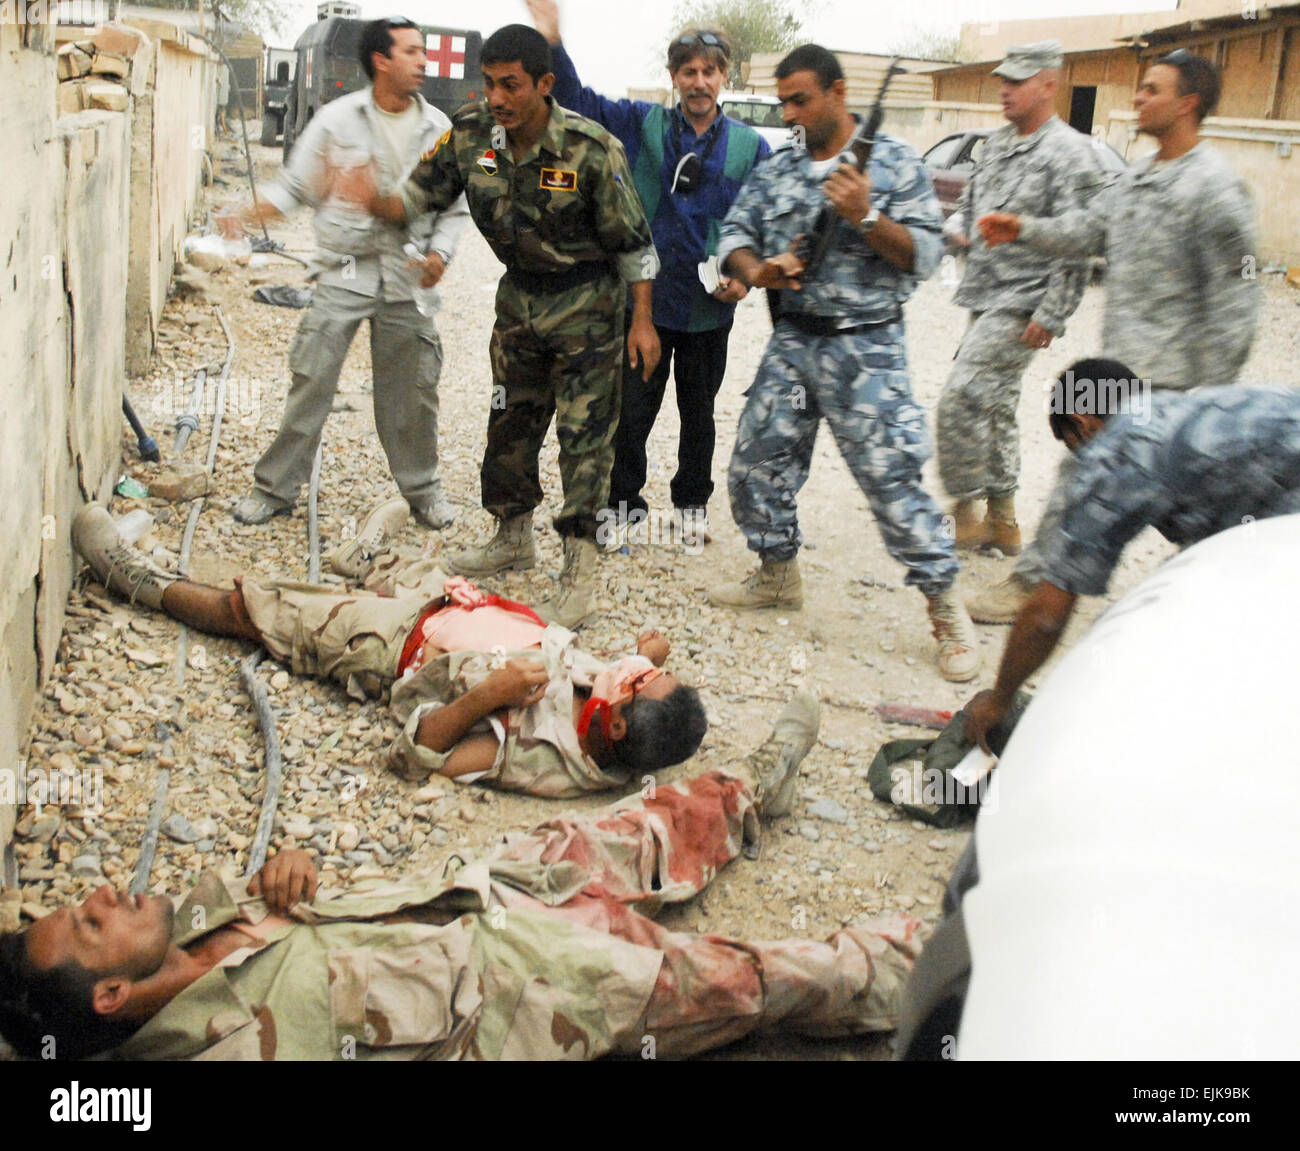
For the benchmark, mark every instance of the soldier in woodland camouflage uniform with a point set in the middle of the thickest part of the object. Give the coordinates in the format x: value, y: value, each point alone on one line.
x: 1178, y: 233
x: 542, y: 950
x: 837, y: 350
x: 1019, y: 299
x: 1189, y: 466
x: 552, y: 194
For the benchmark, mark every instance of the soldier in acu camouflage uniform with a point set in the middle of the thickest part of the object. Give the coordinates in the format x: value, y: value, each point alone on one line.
x: 552, y: 194
x: 1190, y: 466
x: 543, y: 949
x: 1019, y: 298
x: 838, y: 350
x: 1178, y: 233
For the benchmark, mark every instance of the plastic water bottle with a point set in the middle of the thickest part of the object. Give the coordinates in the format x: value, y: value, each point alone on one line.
x: 426, y: 299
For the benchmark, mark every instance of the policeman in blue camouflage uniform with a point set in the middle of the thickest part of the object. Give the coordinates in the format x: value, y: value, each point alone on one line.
x: 837, y: 350
x: 1189, y: 465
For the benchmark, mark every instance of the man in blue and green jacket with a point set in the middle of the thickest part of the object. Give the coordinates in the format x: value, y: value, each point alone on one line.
x: 685, y: 200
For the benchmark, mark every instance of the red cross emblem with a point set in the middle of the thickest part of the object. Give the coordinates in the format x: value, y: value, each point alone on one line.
x: 446, y: 56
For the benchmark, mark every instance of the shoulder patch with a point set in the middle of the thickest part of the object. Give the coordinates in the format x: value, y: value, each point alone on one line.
x: 429, y: 155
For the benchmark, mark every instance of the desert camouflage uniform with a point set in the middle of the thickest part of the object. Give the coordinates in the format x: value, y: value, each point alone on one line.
x: 566, y: 222
x: 1195, y: 465
x: 857, y: 380
x: 356, y: 639
x: 1181, y: 296
x: 1051, y: 171
x: 543, y: 950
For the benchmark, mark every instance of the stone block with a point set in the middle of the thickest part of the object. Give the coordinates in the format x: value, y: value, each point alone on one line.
x: 106, y: 97
x: 72, y: 97
x: 105, y: 64
x: 180, y: 482
x: 119, y: 41
x: 73, y: 62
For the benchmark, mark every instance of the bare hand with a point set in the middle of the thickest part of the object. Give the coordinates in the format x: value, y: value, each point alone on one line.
x: 653, y: 646
x: 730, y: 290
x: 983, y: 714
x: 999, y: 228
x: 285, y: 878
x: 1036, y: 336
x: 546, y: 19
x: 355, y: 186
x: 521, y: 683
x: 643, y: 347
x: 432, y: 269
x: 849, y: 192
x: 781, y: 271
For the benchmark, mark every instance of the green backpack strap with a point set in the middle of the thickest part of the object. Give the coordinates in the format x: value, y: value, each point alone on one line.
x: 880, y: 775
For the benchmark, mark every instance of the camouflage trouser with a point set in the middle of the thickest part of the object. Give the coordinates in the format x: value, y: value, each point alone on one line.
x: 859, y: 383
x: 644, y: 852
x: 1029, y: 566
x: 978, y: 440
x: 354, y: 638
x: 555, y: 354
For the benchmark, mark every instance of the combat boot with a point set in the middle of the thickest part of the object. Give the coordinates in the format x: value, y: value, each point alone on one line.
x: 970, y: 530
x: 117, y: 565
x: 576, y: 601
x: 1002, y: 602
x: 773, y: 770
x: 1003, y: 530
x: 776, y: 583
x: 353, y: 558
x: 511, y: 549
x: 959, y: 652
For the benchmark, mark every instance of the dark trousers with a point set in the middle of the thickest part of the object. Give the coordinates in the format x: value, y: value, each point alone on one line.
x: 698, y: 361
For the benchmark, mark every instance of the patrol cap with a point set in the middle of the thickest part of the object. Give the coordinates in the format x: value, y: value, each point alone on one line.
x: 1025, y: 60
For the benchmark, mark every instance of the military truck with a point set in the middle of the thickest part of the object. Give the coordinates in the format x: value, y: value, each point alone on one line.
x: 328, y: 67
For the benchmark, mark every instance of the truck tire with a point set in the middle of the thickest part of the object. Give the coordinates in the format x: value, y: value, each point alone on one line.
x: 270, y: 128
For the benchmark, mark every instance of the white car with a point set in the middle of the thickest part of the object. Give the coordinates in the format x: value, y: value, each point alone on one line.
x: 762, y: 113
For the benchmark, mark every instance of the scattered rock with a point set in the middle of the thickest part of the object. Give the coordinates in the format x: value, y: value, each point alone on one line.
x: 180, y: 482
x: 86, y: 865
x: 828, y: 810
x: 177, y: 827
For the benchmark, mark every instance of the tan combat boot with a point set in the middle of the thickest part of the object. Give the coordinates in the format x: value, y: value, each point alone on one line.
x: 959, y: 652
x: 353, y: 558
x: 776, y: 583
x: 1002, y: 602
x: 117, y: 565
x: 576, y: 601
x: 773, y: 770
x: 969, y: 529
x: 511, y: 549
x: 1003, y: 530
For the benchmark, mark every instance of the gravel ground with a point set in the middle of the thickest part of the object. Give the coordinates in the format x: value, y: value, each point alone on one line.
x: 128, y: 696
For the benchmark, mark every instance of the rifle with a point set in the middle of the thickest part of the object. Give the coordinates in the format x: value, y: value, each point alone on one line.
x: 858, y: 153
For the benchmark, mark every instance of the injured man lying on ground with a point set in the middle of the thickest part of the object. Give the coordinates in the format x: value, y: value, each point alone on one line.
x: 542, y: 949
x: 484, y: 689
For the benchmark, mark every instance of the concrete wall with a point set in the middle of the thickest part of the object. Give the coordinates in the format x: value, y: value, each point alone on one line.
x: 1255, y: 150
x: 172, y: 131
x: 64, y: 237
x: 924, y: 125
